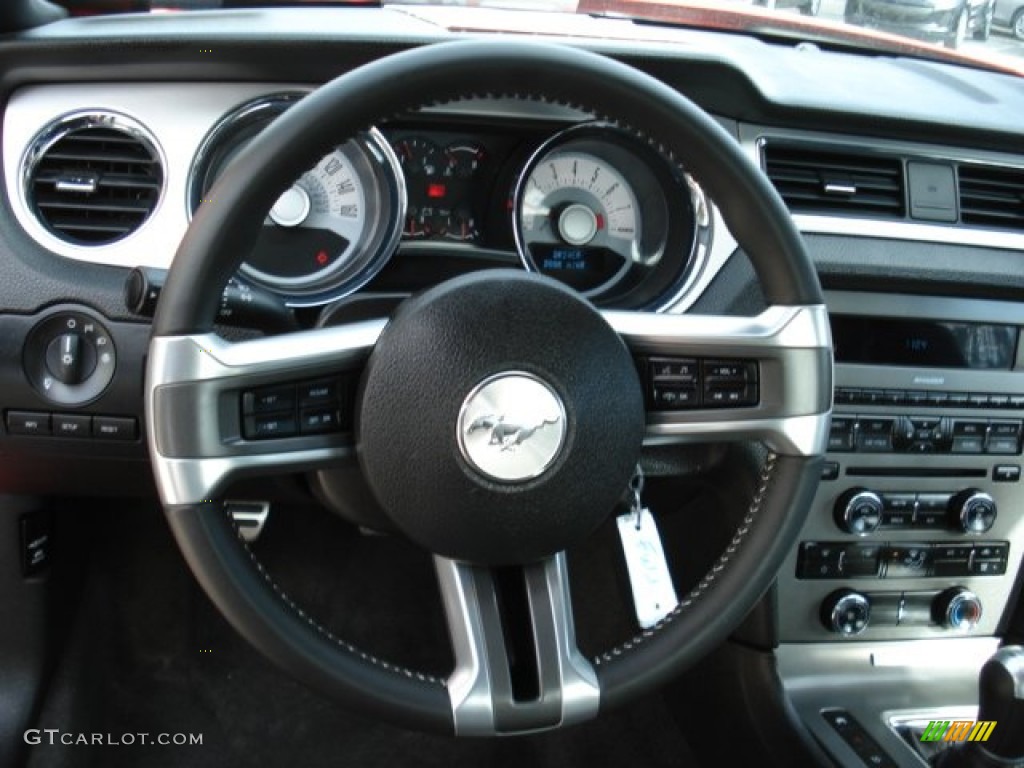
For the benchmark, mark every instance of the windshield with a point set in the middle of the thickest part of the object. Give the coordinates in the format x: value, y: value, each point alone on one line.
x: 987, y: 33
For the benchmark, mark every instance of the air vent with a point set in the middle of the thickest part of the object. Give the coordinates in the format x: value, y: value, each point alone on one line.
x: 94, y: 179
x: 992, y: 197
x: 826, y: 181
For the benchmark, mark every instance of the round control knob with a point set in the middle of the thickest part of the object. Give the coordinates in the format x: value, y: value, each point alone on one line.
x: 973, y: 511
x: 846, y: 612
x: 859, y: 511
x: 71, y: 358
x: 957, y: 608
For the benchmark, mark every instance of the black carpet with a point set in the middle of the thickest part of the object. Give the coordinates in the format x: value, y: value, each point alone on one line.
x: 150, y: 655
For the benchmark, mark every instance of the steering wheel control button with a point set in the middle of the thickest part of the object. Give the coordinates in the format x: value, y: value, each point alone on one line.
x: 28, y: 423
x: 269, y: 400
x: 320, y: 392
x: 846, y: 612
x: 511, y: 427
x: 114, y: 428
x: 70, y: 357
x: 313, y: 407
x: 685, y: 383
x: 273, y: 426
x: 72, y: 425
x: 523, y: 410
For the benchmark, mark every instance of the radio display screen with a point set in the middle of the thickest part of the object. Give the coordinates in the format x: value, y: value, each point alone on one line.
x: 923, y: 343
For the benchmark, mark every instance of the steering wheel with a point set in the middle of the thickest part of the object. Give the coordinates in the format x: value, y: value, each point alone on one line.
x: 437, y: 378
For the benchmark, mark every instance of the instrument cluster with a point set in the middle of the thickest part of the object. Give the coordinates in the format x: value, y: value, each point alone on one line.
x: 588, y: 205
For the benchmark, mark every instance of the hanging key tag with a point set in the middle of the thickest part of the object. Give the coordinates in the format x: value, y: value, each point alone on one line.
x: 654, y: 596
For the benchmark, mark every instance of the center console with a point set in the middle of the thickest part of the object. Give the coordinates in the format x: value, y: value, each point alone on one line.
x: 900, y: 584
x: 917, y: 529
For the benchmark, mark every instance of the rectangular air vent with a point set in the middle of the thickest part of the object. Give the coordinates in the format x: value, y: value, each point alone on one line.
x: 830, y: 181
x: 992, y: 197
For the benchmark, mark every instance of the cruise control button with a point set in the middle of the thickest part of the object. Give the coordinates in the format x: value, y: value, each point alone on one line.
x: 319, y: 420
x: 318, y: 392
x: 71, y: 425
x: 269, y: 400
x: 114, y: 428
x: 265, y: 427
x: 28, y: 423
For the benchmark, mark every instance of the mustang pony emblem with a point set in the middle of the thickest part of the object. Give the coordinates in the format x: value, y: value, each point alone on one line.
x: 507, y: 434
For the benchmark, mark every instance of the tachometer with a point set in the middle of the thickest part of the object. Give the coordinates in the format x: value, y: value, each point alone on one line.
x: 333, y: 229
x: 604, y: 214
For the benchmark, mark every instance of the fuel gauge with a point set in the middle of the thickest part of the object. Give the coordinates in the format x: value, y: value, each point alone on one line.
x: 463, y: 160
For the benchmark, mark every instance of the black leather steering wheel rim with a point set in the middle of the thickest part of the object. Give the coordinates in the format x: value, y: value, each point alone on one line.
x: 223, y: 231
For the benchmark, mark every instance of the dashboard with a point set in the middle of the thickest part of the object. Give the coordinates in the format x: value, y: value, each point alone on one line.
x: 907, y: 195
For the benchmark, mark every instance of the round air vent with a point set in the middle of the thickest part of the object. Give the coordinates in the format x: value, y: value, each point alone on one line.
x: 93, y: 179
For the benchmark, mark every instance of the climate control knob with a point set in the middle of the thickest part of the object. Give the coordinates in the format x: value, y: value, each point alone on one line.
x: 846, y: 612
x: 957, y: 608
x: 972, y: 511
x: 859, y: 511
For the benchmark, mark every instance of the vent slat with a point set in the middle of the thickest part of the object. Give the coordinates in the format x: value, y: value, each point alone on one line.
x: 808, y: 178
x: 123, y: 179
x: 992, y: 197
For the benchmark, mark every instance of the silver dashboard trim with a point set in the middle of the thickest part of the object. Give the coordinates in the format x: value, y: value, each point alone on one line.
x: 478, y: 696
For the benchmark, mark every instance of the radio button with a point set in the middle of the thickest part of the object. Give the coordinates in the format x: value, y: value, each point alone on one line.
x: 968, y: 445
x: 1004, y: 445
x: 969, y: 428
x: 894, y: 397
x: 917, y: 397
x: 1017, y: 401
x: 1004, y: 428
x: 978, y: 400
x: 840, y: 434
x: 938, y: 399
x: 1006, y: 473
x: 999, y: 401
x: 847, y: 396
x: 958, y: 399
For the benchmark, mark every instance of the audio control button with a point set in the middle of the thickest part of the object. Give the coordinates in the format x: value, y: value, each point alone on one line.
x: 963, y: 428
x: 968, y: 444
x: 973, y: 511
x: 859, y: 511
x: 1006, y: 473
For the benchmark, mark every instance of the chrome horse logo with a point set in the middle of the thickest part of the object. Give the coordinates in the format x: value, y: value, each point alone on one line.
x: 508, y: 435
x: 512, y: 427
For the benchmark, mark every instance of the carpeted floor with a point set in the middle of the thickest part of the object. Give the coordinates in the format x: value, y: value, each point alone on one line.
x: 150, y: 655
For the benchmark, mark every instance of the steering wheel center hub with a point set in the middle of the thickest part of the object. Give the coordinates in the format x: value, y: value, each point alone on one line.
x: 500, y: 418
x: 511, y: 427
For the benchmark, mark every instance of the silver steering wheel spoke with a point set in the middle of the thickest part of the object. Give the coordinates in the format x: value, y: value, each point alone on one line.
x: 788, y: 396
x: 542, y: 681
x: 200, y: 434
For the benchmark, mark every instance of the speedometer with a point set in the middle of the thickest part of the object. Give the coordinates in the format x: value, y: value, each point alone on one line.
x: 333, y: 229
x: 605, y: 214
